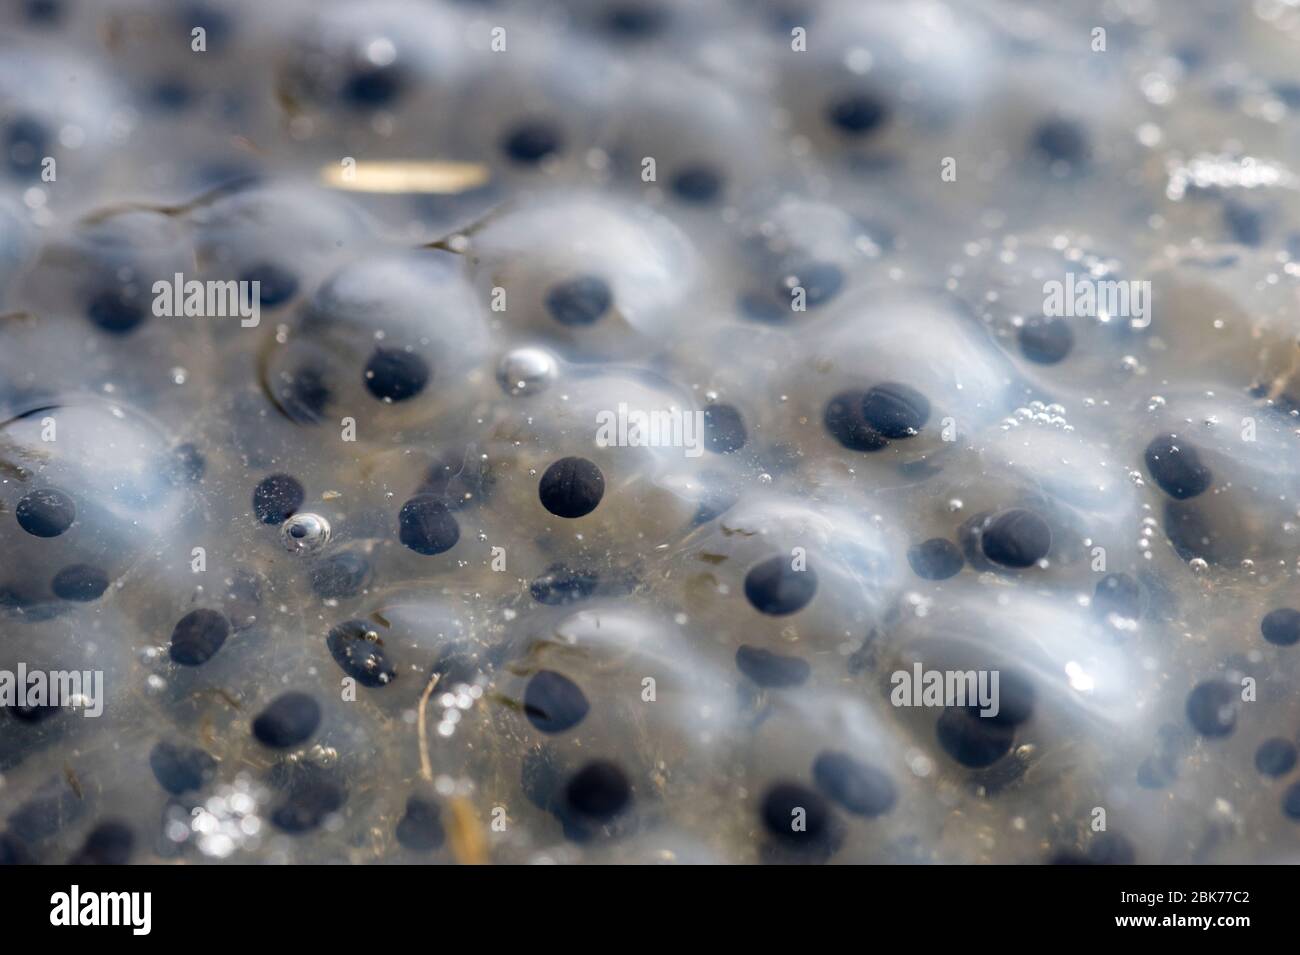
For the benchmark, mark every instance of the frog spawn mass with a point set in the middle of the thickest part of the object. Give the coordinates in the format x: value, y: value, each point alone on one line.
x: 640, y: 400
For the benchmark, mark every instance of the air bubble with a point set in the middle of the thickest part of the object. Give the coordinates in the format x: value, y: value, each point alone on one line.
x: 527, y: 371
x: 305, y: 533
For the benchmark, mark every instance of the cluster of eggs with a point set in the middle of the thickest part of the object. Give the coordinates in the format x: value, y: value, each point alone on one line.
x: 620, y: 400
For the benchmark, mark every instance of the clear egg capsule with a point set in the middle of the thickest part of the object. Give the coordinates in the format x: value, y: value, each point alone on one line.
x: 360, y: 81
x: 1076, y: 468
x: 591, y: 278
x: 609, y: 672
x: 846, y: 402
x: 806, y: 579
x: 1216, y: 471
x: 1023, y: 693
x: 56, y: 127
x: 829, y: 755
x: 78, y: 529
x: 798, y: 256
x: 284, y: 238
x: 1066, y: 313
x: 386, y: 342
x: 690, y: 140
x: 104, y: 268
x: 538, y: 120
x: 113, y: 277
x: 600, y: 465
x: 1037, y: 134
x: 868, y: 85
x: 208, y: 116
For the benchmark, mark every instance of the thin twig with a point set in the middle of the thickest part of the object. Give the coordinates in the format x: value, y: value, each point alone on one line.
x: 466, y: 839
x: 426, y: 768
